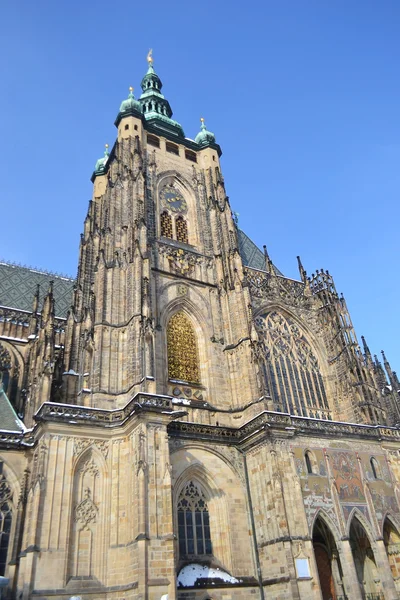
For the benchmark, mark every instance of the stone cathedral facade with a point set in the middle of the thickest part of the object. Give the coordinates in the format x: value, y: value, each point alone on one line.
x: 182, y: 421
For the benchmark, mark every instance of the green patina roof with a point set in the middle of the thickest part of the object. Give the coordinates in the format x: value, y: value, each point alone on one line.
x: 101, y: 164
x: 8, y: 417
x: 130, y: 106
x: 156, y: 109
x: 204, y: 137
x: 18, y: 285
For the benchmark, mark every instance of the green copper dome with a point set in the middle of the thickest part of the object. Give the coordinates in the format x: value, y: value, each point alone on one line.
x: 101, y: 164
x: 130, y: 106
x: 204, y: 137
x: 130, y: 103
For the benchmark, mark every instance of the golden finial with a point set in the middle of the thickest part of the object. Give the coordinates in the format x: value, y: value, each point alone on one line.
x: 131, y: 89
x: 202, y: 119
x: 150, y: 56
x: 106, y: 146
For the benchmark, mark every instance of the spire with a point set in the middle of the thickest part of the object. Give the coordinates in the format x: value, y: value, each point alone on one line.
x: 302, y: 271
x: 155, y: 107
x: 269, y: 267
x: 388, y: 368
x: 367, y: 352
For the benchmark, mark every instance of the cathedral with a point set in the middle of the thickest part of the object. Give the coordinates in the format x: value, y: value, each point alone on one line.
x: 182, y: 421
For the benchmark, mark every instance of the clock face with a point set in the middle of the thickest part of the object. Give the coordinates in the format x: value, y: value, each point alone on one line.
x: 173, y: 199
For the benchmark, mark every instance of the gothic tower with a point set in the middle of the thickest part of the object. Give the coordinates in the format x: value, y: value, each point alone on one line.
x: 189, y: 424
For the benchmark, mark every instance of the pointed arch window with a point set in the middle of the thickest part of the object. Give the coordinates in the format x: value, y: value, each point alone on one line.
x: 181, y: 230
x: 5, y: 520
x: 166, y: 225
x: 291, y: 368
x: 193, y: 522
x: 182, y: 350
x: 375, y: 468
x: 308, y: 463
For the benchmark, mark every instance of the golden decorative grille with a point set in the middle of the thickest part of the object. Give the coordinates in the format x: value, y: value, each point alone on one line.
x: 181, y: 230
x: 166, y: 225
x: 183, y: 355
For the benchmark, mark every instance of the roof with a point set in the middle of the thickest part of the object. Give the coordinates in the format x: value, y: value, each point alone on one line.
x: 18, y: 285
x: 8, y: 417
x: 251, y: 254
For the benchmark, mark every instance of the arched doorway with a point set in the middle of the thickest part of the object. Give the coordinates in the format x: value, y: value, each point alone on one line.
x: 364, y: 560
x: 328, y: 563
x: 392, y: 545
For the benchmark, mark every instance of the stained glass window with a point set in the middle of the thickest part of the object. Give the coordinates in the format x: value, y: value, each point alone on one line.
x: 181, y: 230
x: 193, y: 522
x: 166, y: 225
x: 183, y: 355
x: 5, y: 521
x: 291, y: 368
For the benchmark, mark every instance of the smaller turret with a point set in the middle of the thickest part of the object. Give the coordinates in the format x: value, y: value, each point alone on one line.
x: 204, y: 137
x: 129, y: 108
x: 101, y: 164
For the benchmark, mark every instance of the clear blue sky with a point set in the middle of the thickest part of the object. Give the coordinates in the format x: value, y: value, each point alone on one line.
x: 303, y: 96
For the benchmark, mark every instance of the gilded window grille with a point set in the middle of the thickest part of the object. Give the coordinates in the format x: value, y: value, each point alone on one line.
x: 291, y: 368
x: 181, y: 230
x: 193, y: 522
x: 166, y: 225
x: 183, y: 355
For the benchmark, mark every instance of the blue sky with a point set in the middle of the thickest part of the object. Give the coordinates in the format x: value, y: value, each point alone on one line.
x: 303, y: 97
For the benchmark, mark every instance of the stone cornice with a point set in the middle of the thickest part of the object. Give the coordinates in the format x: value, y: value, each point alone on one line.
x: 281, y: 425
x: 272, y: 424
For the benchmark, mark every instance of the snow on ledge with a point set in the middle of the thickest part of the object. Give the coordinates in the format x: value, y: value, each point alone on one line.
x: 189, y: 574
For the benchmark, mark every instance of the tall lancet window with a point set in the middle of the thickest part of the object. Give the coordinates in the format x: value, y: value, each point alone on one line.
x: 193, y: 522
x: 166, y: 225
x: 291, y: 368
x: 181, y: 230
x: 5, y: 520
x: 183, y: 354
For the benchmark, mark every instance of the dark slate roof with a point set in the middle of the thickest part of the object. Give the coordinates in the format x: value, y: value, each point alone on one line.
x: 18, y: 285
x: 8, y: 418
x: 251, y: 254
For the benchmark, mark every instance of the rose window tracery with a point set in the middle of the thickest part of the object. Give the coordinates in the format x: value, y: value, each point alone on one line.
x: 291, y: 367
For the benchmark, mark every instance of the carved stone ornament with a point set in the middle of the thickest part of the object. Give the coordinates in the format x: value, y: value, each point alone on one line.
x: 86, y: 511
x: 80, y: 445
x: 89, y: 466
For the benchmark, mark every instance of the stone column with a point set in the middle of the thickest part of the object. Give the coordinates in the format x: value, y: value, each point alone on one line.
x: 350, y: 579
x: 385, y: 573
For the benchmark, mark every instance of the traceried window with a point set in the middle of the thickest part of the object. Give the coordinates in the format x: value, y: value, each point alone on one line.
x: 193, y: 522
x: 173, y: 218
x: 166, y: 225
x: 183, y: 355
x: 5, y: 520
x: 291, y: 368
x: 181, y: 230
